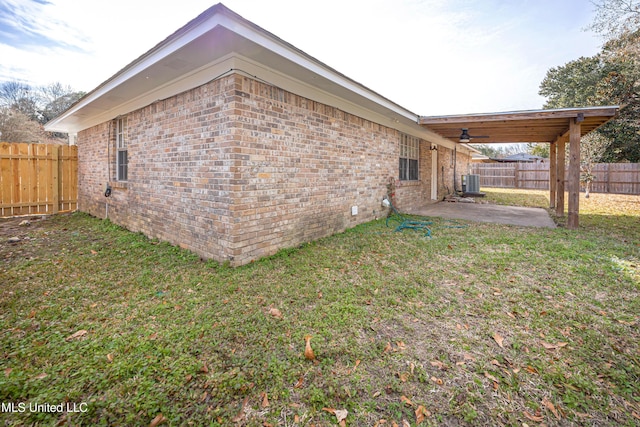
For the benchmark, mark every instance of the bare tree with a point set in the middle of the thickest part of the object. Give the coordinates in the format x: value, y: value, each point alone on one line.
x: 17, y: 127
x: 615, y: 18
x: 21, y: 97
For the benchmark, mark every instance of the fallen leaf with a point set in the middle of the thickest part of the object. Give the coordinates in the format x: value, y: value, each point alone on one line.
x: 265, y: 401
x: 421, y: 413
x: 437, y: 380
x: 240, y: 415
x: 32, y: 314
x: 439, y: 364
x: 467, y: 356
x: 553, y: 346
x: 93, y: 252
x: 76, y: 335
x: 498, y: 339
x: 495, y: 362
x: 40, y: 376
x: 299, y: 383
x: 7, y: 372
x: 110, y: 357
x: 635, y: 415
x: 341, y: 414
x: 159, y: 419
x: 531, y: 370
x: 405, y: 423
x: 401, y: 345
x: 153, y: 336
x: 403, y: 377
x: 536, y: 418
x: 308, y: 351
x: 204, y: 369
x: 491, y: 377
x: 550, y: 406
x: 387, y: 348
x: 406, y: 400
x: 275, y: 313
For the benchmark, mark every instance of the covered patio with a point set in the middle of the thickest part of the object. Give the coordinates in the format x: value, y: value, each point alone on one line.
x: 555, y: 127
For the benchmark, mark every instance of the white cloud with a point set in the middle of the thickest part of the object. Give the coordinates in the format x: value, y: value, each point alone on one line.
x: 430, y: 56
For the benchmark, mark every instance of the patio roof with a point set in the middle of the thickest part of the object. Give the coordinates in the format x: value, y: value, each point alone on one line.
x: 556, y: 127
x: 519, y: 126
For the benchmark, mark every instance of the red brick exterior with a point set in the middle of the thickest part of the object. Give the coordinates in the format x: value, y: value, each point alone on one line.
x: 237, y: 169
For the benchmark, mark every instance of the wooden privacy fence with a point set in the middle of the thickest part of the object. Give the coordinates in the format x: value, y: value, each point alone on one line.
x: 38, y: 179
x: 620, y: 178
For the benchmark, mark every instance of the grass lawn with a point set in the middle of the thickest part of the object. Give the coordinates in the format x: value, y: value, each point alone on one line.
x: 482, y: 325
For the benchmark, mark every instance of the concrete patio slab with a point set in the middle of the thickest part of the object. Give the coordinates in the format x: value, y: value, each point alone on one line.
x: 486, y: 212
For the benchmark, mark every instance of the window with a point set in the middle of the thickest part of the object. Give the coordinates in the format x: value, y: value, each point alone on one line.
x: 409, y: 154
x: 122, y: 161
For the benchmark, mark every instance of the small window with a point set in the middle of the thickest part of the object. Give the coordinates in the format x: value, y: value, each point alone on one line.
x: 409, y: 155
x: 122, y: 161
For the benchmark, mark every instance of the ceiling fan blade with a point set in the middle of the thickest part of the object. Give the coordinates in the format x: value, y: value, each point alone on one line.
x: 470, y: 136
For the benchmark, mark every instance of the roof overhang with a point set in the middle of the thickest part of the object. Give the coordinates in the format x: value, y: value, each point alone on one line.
x: 217, y: 42
x: 520, y: 126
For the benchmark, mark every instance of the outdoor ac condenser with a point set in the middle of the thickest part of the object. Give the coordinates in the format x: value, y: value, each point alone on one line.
x: 473, y: 183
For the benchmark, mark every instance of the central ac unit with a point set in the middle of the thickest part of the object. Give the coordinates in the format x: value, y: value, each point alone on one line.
x: 473, y: 183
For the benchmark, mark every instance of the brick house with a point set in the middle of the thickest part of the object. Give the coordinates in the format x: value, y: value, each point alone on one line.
x: 228, y: 141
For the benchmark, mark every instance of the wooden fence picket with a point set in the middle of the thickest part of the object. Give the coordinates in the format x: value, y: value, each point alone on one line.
x: 37, y: 179
x: 620, y: 178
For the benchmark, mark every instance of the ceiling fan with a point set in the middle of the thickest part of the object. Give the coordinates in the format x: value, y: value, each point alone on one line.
x: 465, y: 137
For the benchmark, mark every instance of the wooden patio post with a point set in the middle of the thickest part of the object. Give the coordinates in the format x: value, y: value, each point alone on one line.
x: 552, y: 174
x: 560, y: 166
x: 574, y: 172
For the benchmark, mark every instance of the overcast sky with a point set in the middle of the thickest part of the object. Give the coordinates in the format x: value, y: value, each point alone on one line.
x: 430, y: 56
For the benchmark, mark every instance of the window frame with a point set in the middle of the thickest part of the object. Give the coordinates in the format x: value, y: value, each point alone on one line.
x: 409, y: 158
x: 122, y: 150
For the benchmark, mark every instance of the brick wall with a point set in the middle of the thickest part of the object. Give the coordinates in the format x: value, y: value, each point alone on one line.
x: 237, y: 169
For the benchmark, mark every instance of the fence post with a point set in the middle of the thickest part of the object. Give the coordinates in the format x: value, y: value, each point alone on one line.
x: 55, y: 173
x: 516, y: 176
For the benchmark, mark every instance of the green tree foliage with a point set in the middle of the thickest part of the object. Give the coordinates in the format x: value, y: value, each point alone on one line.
x: 573, y: 84
x: 541, y: 150
x: 611, y: 77
x: 498, y: 151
